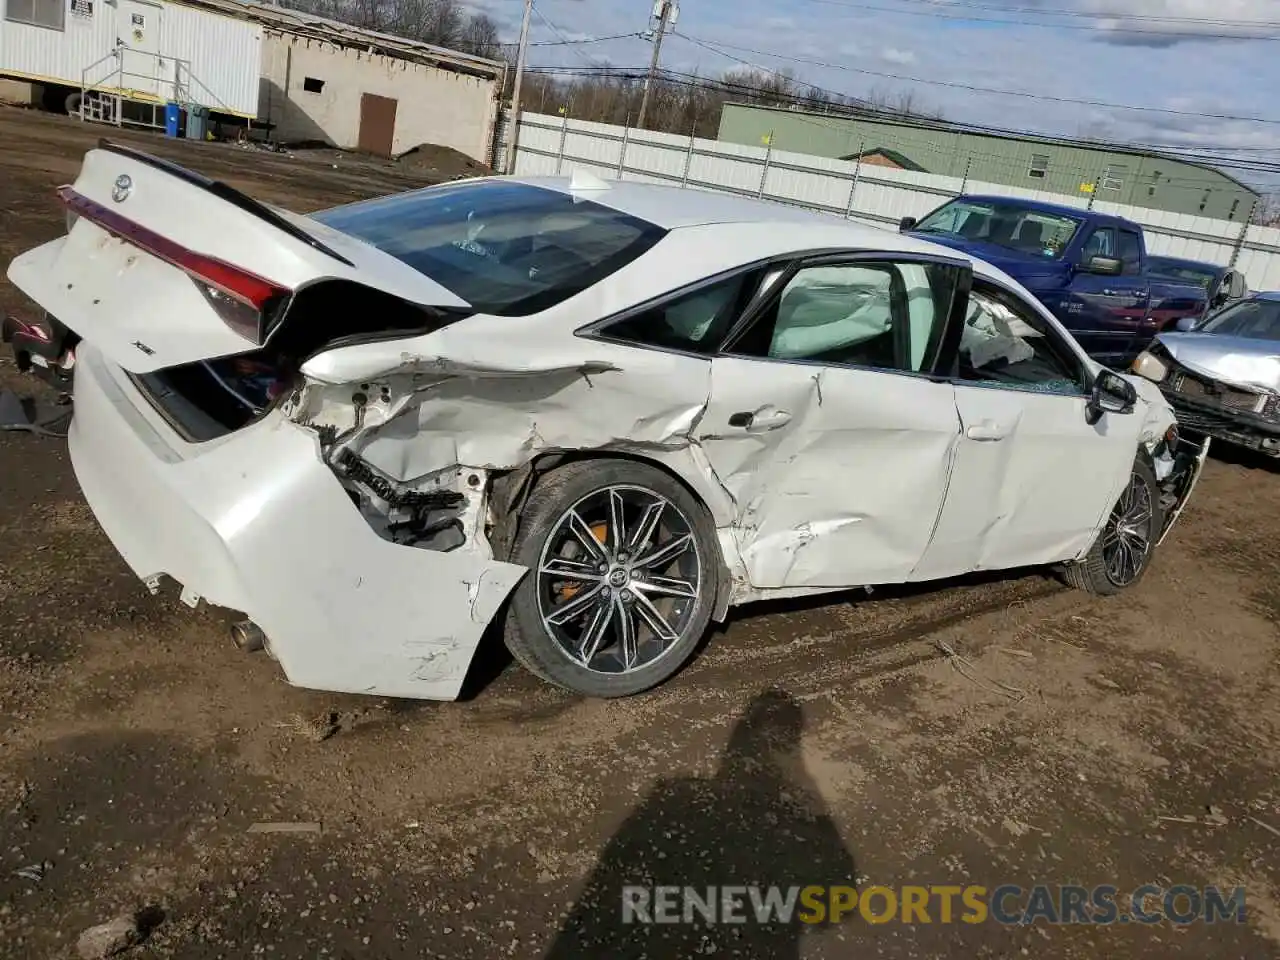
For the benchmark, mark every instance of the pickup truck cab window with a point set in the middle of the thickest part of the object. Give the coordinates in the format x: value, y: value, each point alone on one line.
x: 1101, y: 243
x: 1130, y: 253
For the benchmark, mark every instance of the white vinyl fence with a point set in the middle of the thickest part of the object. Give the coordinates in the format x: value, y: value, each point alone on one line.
x: 877, y: 195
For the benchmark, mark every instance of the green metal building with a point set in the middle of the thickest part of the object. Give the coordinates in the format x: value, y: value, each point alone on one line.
x: 1059, y: 166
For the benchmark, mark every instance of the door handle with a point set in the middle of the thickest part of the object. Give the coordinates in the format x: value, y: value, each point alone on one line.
x: 760, y: 422
x: 984, y: 430
x: 769, y: 421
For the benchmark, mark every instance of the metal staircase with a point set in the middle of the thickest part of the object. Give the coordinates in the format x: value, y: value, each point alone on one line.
x: 106, y: 86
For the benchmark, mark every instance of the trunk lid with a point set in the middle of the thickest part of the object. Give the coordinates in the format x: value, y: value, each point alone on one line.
x: 160, y: 257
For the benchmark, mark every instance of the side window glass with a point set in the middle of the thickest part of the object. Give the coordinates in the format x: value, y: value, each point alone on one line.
x: 1130, y: 252
x: 1007, y: 344
x: 695, y: 322
x: 1101, y: 243
x: 885, y: 315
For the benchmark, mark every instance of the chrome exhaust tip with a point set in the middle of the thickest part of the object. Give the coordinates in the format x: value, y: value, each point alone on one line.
x: 248, y: 636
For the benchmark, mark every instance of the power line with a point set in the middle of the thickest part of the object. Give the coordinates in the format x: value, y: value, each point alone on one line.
x: 721, y: 49
x: 563, y: 39
x: 583, y: 40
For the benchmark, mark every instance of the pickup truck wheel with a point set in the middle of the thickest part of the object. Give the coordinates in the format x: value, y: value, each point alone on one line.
x: 622, y: 578
x: 1120, y: 556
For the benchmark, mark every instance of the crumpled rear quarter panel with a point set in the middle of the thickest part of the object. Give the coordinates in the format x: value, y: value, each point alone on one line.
x: 262, y: 526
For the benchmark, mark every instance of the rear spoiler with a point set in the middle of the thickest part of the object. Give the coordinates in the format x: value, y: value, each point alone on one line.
x: 225, y: 192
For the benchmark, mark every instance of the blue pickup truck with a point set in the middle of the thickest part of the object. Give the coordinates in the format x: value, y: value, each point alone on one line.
x: 1090, y: 269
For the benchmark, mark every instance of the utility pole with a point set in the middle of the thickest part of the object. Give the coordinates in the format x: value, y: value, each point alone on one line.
x: 513, y: 132
x: 665, y: 13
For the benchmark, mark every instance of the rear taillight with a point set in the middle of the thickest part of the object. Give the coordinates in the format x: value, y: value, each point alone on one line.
x: 243, y: 300
x: 243, y: 318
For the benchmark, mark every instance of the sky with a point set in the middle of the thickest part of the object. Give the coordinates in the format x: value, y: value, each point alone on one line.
x: 1199, y: 61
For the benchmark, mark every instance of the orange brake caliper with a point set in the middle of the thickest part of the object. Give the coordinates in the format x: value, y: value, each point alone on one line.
x: 567, y: 590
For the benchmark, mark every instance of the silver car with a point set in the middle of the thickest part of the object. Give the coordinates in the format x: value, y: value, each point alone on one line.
x: 1222, y: 376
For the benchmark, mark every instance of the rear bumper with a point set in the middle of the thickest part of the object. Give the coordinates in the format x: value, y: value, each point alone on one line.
x: 257, y: 523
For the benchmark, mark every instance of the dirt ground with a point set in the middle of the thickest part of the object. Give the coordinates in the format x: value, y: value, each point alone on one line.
x: 830, y: 742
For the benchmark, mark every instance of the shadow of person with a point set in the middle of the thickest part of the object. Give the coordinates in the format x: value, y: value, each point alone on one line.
x: 758, y: 824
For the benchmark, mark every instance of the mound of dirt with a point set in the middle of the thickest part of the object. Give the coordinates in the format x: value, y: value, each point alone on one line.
x: 444, y: 163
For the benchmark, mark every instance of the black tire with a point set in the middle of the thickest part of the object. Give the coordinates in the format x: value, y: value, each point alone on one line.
x: 580, y: 485
x: 1097, y: 572
x: 72, y: 104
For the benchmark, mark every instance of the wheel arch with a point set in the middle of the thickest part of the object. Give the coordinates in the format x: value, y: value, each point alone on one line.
x: 510, y: 490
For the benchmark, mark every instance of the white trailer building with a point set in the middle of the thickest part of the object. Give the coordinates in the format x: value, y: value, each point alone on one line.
x: 303, y: 77
x: 144, y: 52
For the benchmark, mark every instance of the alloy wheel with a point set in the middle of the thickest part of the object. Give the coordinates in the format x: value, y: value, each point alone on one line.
x: 1126, y: 539
x: 619, y: 579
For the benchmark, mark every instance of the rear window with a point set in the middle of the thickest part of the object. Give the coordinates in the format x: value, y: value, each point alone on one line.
x: 505, y: 248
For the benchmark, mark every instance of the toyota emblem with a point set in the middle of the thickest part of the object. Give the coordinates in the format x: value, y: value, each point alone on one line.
x: 121, y: 189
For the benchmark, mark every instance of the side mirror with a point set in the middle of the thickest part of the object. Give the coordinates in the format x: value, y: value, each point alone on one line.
x: 1112, y: 393
x: 906, y: 223
x: 1107, y: 266
x: 1185, y: 324
x: 1236, y: 285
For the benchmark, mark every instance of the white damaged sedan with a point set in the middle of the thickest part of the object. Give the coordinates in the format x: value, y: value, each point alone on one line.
x: 599, y: 413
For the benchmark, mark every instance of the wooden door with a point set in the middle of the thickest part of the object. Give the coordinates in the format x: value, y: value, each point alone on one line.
x: 377, y: 124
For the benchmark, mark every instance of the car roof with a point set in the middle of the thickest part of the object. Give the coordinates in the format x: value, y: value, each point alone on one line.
x: 758, y: 228
x: 671, y: 206
x: 1273, y: 295
x: 1057, y: 209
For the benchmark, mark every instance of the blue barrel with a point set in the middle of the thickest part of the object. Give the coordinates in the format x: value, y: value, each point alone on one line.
x: 172, y: 119
x: 197, y: 122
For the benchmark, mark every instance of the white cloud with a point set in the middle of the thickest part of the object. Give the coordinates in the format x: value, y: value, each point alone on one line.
x: 894, y: 55
x: 1154, y: 23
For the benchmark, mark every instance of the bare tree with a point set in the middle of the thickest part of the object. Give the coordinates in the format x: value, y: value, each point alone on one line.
x: 479, y: 36
x: 1266, y: 213
x: 444, y: 23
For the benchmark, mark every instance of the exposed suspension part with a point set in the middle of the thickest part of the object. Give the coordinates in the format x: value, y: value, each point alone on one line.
x: 360, y: 472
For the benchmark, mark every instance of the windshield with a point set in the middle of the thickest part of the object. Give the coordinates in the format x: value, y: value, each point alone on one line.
x: 1175, y: 271
x: 1007, y: 224
x: 1254, y: 319
x: 505, y: 248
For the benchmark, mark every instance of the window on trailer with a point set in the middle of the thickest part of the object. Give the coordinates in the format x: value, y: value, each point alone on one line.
x: 1039, y: 166
x: 1113, y: 177
x: 40, y: 13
